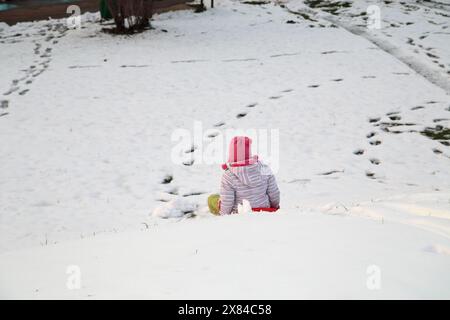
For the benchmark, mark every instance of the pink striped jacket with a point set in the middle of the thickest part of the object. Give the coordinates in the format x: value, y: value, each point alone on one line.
x: 253, y: 182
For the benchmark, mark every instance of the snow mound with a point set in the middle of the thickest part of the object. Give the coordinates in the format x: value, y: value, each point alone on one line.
x: 176, y: 208
x: 3, y: 26
x: 91, y: 17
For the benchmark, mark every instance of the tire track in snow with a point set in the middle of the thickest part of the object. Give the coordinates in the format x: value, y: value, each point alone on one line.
x: 419, y: 67
x: 435, y: 77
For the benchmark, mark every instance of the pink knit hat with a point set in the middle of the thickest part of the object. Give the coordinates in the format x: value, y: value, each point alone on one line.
x: 240, y: 149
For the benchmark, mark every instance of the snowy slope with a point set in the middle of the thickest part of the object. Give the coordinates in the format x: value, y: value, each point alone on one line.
x: 87, y: 150
x: 265, y: 256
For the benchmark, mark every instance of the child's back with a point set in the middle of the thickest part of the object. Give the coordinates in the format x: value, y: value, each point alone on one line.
x: 254, y: 183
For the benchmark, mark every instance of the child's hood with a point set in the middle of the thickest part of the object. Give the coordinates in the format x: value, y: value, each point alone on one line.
x: 251, y: 175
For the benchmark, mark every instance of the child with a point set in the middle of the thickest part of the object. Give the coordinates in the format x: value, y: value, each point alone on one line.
x: 245, y: 178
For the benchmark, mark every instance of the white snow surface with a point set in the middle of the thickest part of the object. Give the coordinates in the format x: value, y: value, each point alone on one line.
x: 86, y: 124
x: 287, y: 256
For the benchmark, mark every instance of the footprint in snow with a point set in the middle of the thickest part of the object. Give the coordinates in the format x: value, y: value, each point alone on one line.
x: 358, y: 152
x: 313, y: 86
x: 337, y: 80
x: 191, y: 149
x: 368, y: 77
x: 370, y: 175
x: 213, y: 135
x: 189, y: 61
x: 417, y: 108
x: 331, y: 172
x: 173, y: 191
x: 196, y: 193
x: 252, y: 105
x: 440, y: 120
x: 370, y: 135
x: 85, y: 67
x: 432, y: 55
x: 241, y: 115
x: 219, y: 124
x: 395, y: 117
x: 38, y: 73
x: 375, y: 161
x: 167, y: 179
x: 392, y: 113
x: 287, y: 90
x: 375, y: 142
x: 134, y: 66
x: 11, y: 90
x: 274, y: 97
x: 4, y: 104
x: 373, y: 120
x: 329, y: 52
x: 189, y: 163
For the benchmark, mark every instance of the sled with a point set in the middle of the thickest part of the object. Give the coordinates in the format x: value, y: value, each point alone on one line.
x: 265, y: 209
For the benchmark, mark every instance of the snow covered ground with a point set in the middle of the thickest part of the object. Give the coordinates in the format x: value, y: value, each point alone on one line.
x: 86, y: 128
x: 288, y: 256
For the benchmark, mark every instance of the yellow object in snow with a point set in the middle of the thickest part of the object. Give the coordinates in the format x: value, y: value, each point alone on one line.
x: 213, y: 204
